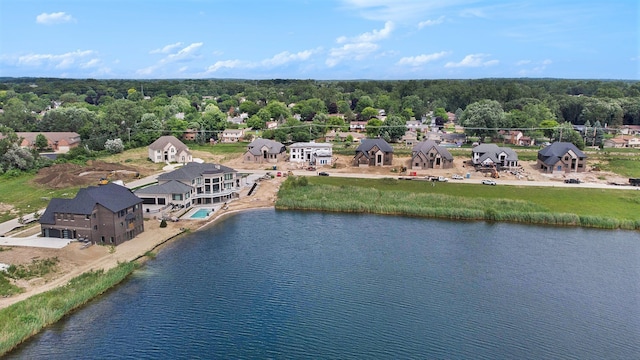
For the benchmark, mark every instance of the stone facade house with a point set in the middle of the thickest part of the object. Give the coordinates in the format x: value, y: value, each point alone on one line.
x: 429, y: 155
x: 492, y: 155
x: 108, y: 214
x: 169, y: 149
x: 373, y: 152
x: 264, y: 151
x: 561, y: 157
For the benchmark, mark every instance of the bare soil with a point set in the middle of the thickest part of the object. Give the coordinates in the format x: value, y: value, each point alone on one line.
x: 61, y: 176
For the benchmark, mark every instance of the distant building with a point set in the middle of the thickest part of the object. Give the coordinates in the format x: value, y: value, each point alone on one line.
x: 561, y: 157
x: 311, y: 153
x: 264, y: 151
x: 429, y: 155
x: 108, y: 214
x: 232, y: 135
x: 58, y: 142
x: 373, y: 152
x: 169, y: 149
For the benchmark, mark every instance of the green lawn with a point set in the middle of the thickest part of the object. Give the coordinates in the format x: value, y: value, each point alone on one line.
x: 27, y: 197
x: 220, y: 148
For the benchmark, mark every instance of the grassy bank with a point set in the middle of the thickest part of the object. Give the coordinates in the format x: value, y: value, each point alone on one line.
x: 607, y: 209
x: 26, y: 318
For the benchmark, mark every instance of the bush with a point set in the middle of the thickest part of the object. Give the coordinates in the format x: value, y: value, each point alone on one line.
x: 163, y: 223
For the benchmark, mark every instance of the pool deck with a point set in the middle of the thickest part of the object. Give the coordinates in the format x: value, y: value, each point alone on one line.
x: 195, y: 209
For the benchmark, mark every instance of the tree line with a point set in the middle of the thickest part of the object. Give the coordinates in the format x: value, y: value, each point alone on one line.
x: 139, y: 111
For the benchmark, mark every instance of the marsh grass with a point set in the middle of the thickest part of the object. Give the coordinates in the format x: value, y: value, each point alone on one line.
x: 26, y: 318
x: 473, y: 202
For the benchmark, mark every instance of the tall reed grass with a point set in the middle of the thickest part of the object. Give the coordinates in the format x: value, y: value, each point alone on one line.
x: 354, y: 199
x: 26, y: 318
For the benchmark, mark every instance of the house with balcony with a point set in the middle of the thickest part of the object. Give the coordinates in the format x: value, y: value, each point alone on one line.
x: 311, y: 153
x: 192, y: 184
x: 108, y: 215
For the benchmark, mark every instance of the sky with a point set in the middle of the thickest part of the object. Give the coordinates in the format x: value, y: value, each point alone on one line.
x: 320, y: 39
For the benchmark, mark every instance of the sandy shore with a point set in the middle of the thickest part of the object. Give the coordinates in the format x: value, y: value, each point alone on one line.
x: 74, y: 260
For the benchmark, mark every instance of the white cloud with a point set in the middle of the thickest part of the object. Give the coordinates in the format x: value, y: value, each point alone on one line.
x: 54, y: 18
x: 351, y: 51
x: 421, y: 59
x: 57, y: 60
x: 358, y: 47
x: 373, y: 36
x: 473, y: 60
x: 228, y: 64
x: 426, y: 23
x: 187, y: 53
x: 166, y: 49
x: 536, y: 69
x: 287, y: 57
x: 91, y: 63
x: 523, y: 62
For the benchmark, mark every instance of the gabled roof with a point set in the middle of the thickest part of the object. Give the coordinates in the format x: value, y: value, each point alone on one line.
x: 163, y: 141
x: 274, y: 147
x: 111, y: 196
x: 426, y: 146
x: 311, y: 145
x: 368, y: 144
x: 193, y: 170
x: 70, y: 137
x: 491, y: 151
x: 552, y: 153
x: 170, y: 187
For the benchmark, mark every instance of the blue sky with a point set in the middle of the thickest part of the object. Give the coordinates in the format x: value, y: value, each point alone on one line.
x: 320, y: 39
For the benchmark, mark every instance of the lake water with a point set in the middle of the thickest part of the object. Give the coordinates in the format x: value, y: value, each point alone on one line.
x: 291, y: 285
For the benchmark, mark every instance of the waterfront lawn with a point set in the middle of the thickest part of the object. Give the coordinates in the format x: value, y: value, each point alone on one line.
x: 542, y: 205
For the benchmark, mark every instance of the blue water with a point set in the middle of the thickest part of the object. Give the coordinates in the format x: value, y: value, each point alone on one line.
x: 200, y: 214
x: 288, y: 285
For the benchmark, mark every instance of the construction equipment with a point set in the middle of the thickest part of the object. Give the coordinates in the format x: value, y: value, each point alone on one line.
x: 103, y: 181
x: 494, y: 172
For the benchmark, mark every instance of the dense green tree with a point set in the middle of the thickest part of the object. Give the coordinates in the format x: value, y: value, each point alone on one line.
x: 483, y: 117
x: 66, y: 119
x: 362, y: 103
x: 414, y: 103
x: 41, y: 142
x: 249, y: 107
x: 368, y: 113
x: 373, y: 128
x: 565, y: 132
x: 395, y: 127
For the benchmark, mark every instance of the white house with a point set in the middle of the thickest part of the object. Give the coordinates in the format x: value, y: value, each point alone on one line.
x: 312, y: 153
x: 169, y: 149
x: 232, y: 135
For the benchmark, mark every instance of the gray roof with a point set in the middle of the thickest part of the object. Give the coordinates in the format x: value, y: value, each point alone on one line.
x: 170, y: 187
x: 368, y: 144
x: 112, y: 196
x: 163, y: 141
x: 193, y: 170
x: 425, y: 146
x: 491, y: 151
x: 552, y: 153
x: 274, y: 147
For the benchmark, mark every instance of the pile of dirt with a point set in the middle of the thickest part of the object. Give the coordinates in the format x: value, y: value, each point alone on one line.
x: 73, y: 175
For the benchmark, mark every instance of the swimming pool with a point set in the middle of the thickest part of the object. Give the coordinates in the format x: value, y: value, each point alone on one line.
x: 200, y: 214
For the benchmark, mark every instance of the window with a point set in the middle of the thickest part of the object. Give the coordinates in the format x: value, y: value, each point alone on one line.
x: 95, y: 227
x: 176, y: 196
x: 111, y: 239
x: 228, y: 176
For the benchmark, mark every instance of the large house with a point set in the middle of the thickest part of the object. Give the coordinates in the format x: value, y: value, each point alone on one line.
x: 192, y: 184
x: 562, y: 157
x: 169, y: 149
x: 429, y: 155
x: 108, y: 214
x: 492, y: 155
x: 264, y: 151
x: 373, y: 152
x: 58, y: 142
x: 311, y: 153
x: 342, y: 136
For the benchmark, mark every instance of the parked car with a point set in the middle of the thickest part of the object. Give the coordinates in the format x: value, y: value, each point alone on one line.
x: 457, y: 177
x: 323, y: 173
x: 488, y: 182
x: 572, y: 181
